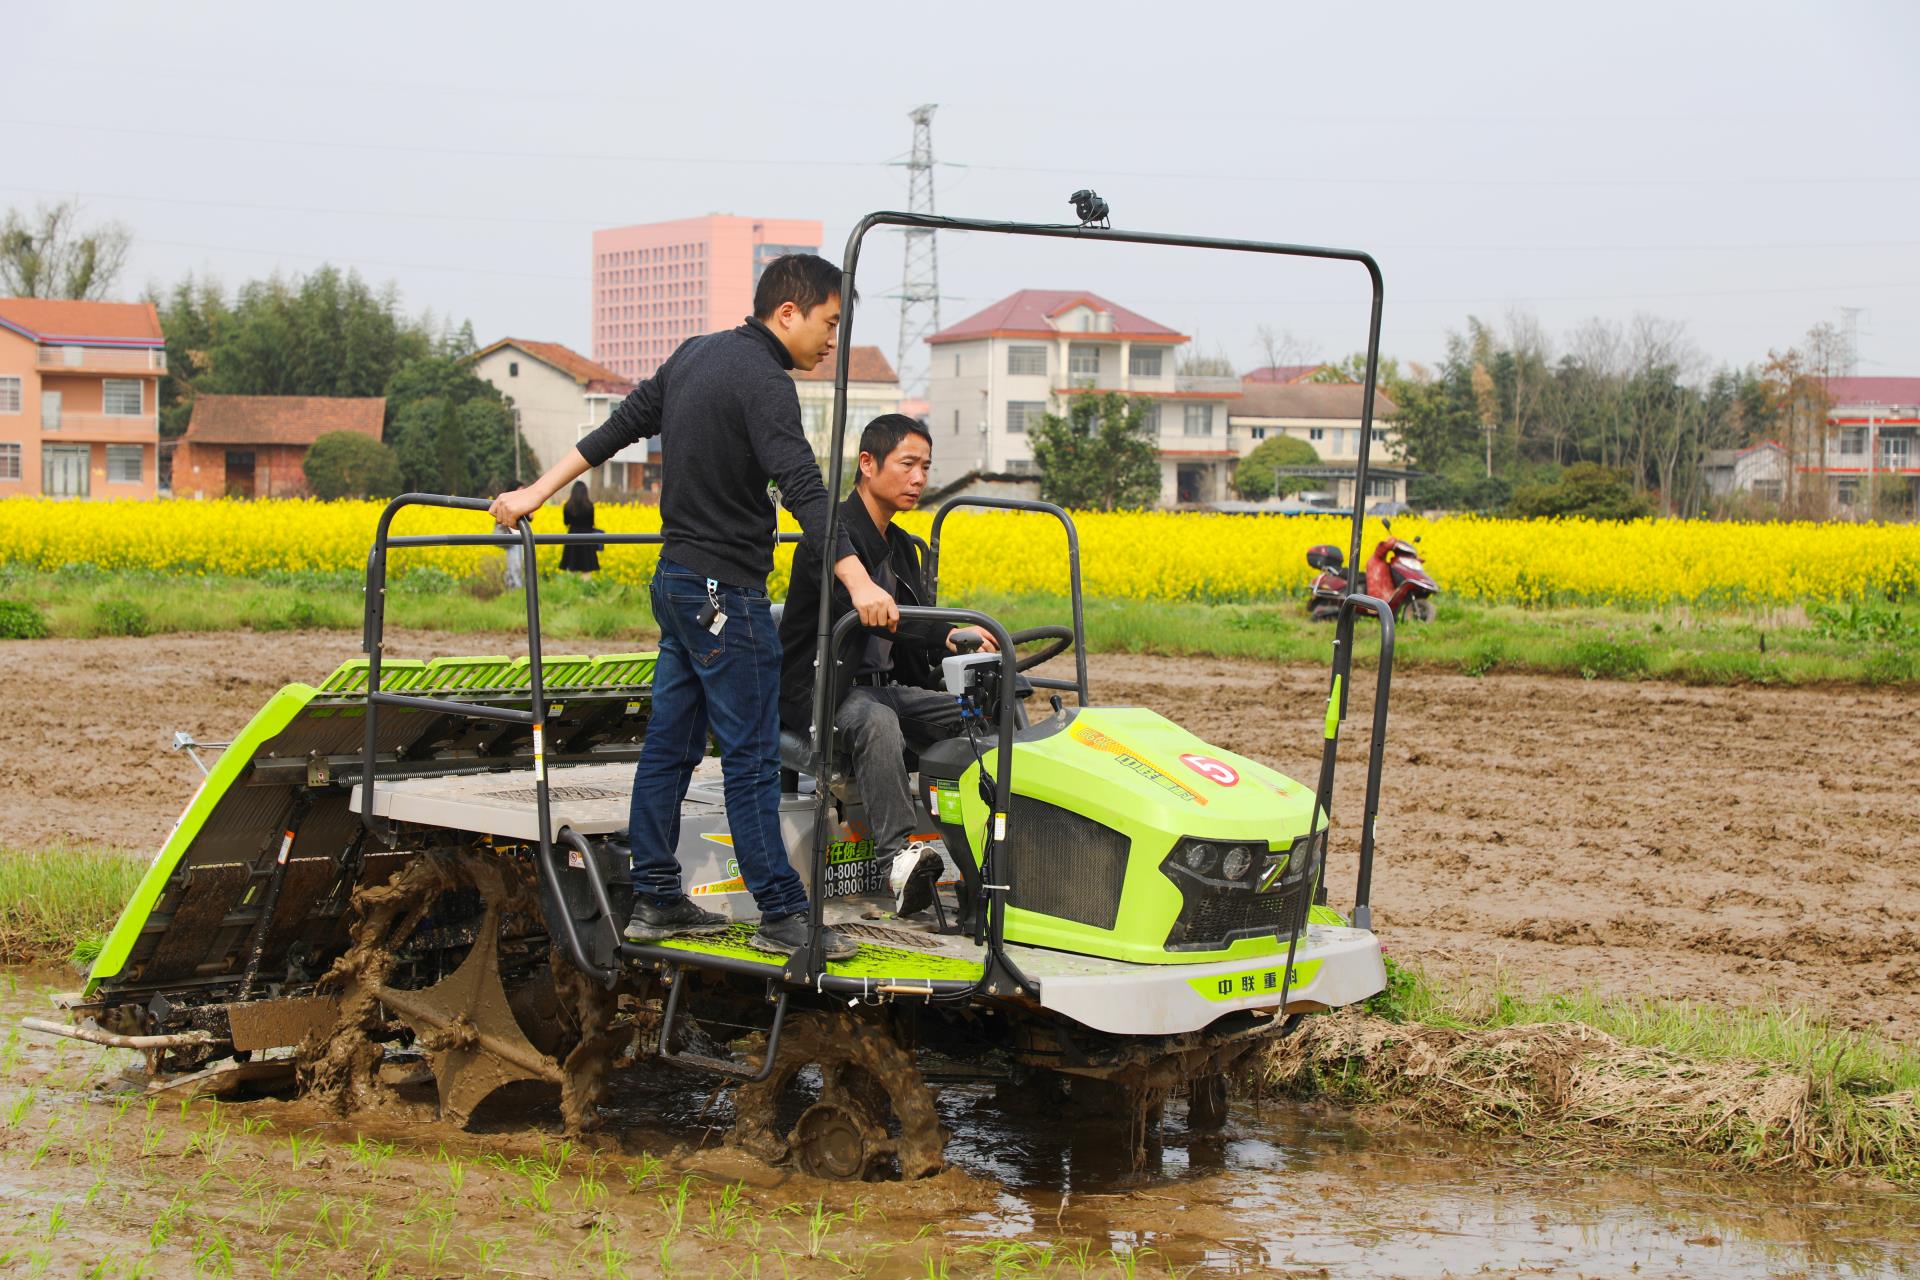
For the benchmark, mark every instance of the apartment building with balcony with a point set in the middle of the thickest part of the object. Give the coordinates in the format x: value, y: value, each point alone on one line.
x: 80, y: 398
x: 558, y: 396
x: 1871, y: 459
x: 657, y: 284
x: 999, y: 370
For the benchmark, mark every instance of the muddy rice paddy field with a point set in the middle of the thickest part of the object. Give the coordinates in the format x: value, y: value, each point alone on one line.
x: 1741, y: 845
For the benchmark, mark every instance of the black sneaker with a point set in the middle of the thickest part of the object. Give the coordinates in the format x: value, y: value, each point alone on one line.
x: 683, y: 919
x: 787, y: 934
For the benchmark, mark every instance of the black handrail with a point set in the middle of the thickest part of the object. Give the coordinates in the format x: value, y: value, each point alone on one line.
x: 1073, y: 572
x: 373, y: 642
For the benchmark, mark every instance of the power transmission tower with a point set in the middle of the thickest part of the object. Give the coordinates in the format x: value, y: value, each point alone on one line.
x: 1850, y: 326
x: 920, y: 277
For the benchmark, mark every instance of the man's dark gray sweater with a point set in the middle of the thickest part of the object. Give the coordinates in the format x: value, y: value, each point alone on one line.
x: 728, y: 419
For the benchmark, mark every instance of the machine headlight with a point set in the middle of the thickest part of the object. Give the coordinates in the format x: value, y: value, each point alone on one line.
x: 1237, y: 862
x: 1201, y: 858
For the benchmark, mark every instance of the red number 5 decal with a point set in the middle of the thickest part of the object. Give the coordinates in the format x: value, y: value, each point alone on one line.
x: 1213, y: 770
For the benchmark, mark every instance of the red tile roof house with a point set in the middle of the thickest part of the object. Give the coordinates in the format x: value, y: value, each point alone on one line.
x: 80, y: 398
x: 253, y: 446
x: 999, y: 370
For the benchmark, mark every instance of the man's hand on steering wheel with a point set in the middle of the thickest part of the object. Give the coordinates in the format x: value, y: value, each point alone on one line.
x: 971, y: 640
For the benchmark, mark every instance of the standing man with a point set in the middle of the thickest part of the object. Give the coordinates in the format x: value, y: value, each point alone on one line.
x: 728, y: 419
x: 889, y: 697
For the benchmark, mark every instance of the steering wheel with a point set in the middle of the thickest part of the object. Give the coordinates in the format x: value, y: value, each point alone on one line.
x: 1059, y: 640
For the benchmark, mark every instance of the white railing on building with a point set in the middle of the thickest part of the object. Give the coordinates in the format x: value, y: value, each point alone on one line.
x: 81, y: 359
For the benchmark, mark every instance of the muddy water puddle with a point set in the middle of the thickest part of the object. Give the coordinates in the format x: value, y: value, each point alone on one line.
x: 89, y: 1172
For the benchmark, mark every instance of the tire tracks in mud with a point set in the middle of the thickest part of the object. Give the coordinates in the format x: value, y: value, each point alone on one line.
x: 1733, y: 844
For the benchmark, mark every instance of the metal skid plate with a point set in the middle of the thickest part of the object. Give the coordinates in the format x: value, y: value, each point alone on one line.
x: 593, y: 799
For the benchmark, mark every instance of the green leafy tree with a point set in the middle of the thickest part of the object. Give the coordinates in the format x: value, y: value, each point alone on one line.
x: 1253, y: 475
x: 1583, y: 489
x: 49, y: 255
x: 346, y: 464
x: 452, y: 432
x: 1099, y: 456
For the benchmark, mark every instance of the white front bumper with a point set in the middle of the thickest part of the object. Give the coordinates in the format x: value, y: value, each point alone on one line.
x: 1332, y: 967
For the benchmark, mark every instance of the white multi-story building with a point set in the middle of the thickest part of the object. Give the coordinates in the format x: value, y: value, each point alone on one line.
x: 1000, y: 370
x: 558, y: 396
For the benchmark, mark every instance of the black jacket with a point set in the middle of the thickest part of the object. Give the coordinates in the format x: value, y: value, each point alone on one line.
x: 918, y: 646
x: 728, y: 419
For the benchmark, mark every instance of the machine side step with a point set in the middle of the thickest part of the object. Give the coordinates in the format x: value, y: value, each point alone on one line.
x: 876, y: 966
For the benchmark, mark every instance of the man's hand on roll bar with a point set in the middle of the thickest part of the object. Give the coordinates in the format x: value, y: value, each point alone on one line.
x: 875, y: 607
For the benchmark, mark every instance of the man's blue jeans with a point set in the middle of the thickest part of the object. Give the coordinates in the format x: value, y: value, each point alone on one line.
x: 731, y: 683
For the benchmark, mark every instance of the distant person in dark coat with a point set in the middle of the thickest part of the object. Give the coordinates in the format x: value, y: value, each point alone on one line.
x: 578, y: 513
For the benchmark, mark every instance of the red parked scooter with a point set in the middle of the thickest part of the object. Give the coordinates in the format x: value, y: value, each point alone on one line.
x: 1394, y: 574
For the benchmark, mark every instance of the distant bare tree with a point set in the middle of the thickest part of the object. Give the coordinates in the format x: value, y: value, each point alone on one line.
x: 1203, y: 364
x: 1279, y: 347
x: 52, y: 256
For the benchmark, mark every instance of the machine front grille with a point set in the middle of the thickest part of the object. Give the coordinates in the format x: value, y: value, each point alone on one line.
x: 1212, y: 919
x: 1061, y: 864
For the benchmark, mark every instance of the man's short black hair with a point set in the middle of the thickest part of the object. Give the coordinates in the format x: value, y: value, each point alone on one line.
x: 804, y: 279
x: 884, y: 434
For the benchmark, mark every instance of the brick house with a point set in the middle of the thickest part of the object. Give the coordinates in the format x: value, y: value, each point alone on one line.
x: 80, y: 398
x: 254, y: 446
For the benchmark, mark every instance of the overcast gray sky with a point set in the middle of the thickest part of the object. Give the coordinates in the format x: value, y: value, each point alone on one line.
x: 1747, y: 168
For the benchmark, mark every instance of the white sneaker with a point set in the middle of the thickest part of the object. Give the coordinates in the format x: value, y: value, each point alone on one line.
x: 915, y: 872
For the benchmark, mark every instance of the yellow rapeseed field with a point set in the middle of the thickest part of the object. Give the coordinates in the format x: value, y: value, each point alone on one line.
x: 1131, y: 556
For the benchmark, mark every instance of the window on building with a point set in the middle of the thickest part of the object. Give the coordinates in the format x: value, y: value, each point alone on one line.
x: 1848, y: 491
x: 1150, y: 415
x: 956, y: 364
x: 9, y: 395
x: 956, y: 422
x: 513, y: 368
x: 1022, y: 412
x: 1894, y: 451
x: 1199, y: 419
x: 1316, y: 434
x: 1083, y: 360
x: 9, y: 462
x: 1020, y: 466
x: 120, y: 397
x: 1767, y: 490
x: 1144, y: 362
x: 123, y: 463
x: 1853, y: 440
x: 1024, y: 361
x: 1259, y: 433
x: 1379, y: 435
x: 1381, y: 488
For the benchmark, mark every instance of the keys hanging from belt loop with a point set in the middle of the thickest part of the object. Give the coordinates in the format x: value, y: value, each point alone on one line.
x: 712, y: 616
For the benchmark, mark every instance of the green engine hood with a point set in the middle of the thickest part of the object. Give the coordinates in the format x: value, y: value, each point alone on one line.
x: 1141, y: 775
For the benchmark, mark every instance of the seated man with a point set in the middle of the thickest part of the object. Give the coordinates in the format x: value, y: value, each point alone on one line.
x: 893, y: 700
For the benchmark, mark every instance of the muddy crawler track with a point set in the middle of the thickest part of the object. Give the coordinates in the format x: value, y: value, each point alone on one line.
x: 1756, y: 845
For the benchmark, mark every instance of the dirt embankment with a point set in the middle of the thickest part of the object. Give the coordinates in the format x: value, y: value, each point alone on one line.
x: 1750, y: 845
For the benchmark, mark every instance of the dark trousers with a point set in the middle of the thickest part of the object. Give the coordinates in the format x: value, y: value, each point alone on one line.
x: 730, y: 683
x: 877, y: 723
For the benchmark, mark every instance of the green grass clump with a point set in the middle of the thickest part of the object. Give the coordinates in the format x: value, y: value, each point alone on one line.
x: 58, y: 903
x: 1750, y: 1087
x: 118, y: 616
x: 21, y: 621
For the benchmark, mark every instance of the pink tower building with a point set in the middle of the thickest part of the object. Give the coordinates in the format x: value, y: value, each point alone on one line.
x: 658, y: 284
